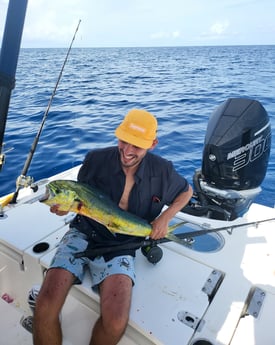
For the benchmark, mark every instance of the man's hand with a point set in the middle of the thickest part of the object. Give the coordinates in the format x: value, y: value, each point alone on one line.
x: 159, y: 227
x: 55, y: 209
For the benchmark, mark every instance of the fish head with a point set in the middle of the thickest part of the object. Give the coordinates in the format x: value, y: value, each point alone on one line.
x: 58, y: 192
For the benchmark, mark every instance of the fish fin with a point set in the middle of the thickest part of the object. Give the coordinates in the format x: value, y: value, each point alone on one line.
x: 111, y: 229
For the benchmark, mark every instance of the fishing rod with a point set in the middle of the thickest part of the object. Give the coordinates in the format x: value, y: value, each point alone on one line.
x: 228, y: 228
x: 23, y: 180
x: 149, y: 247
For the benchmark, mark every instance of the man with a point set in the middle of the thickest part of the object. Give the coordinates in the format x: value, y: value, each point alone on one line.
x: 139, y: 182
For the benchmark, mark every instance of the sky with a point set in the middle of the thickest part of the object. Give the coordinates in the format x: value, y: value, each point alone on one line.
x: 134, y: 23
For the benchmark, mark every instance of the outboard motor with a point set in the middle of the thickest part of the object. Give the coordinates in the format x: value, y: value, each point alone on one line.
x: 235, y: 158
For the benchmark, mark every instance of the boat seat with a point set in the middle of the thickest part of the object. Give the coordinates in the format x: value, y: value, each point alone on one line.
x: 157, y: 287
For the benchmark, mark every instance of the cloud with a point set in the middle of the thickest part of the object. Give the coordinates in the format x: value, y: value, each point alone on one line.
x: 46, y: 23
x: 175, y: 34
x: 217, y: 32
x: 219, y: 28
x: 52, y: 23
x: 165, y: 35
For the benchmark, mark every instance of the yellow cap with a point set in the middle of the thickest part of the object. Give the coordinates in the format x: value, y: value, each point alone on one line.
x: 138, y: 128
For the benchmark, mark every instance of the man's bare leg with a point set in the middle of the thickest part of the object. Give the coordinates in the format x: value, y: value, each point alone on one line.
x: 46, y: 327
x: 115, y: 299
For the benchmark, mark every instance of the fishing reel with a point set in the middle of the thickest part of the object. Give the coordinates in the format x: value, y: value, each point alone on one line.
x: 23, y: 181
x: 152, y: 252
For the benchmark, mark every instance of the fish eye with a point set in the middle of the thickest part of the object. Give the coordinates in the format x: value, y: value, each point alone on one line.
x: 57, y: 190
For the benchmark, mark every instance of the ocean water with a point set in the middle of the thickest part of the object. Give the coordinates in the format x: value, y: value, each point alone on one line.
x: 182, y: 86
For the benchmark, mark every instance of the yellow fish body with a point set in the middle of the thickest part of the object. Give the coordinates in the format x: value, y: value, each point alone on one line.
x: 72, y: 196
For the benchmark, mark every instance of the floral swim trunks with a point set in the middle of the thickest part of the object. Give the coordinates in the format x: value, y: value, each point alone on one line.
x: 75, y: 241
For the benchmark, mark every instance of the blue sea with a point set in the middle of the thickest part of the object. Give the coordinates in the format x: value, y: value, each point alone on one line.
x: 182, y: 86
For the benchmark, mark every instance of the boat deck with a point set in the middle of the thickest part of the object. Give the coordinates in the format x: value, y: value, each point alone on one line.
x: 189, y: 297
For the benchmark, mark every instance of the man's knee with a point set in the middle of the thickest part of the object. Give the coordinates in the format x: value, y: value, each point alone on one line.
x: 45, y: 306
x: 115, y: 325
x: 53, y: 292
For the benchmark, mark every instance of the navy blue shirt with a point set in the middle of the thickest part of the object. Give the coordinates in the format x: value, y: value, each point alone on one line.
x: 156, y: 184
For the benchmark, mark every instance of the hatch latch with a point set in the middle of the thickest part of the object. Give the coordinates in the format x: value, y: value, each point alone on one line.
x: 255, y: 302
x: 212, y: 284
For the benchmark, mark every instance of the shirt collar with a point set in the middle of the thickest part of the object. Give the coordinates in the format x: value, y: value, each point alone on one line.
x: 140, y: 172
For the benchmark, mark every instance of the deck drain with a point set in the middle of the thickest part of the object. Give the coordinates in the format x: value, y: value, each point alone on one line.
x: 188, y: 319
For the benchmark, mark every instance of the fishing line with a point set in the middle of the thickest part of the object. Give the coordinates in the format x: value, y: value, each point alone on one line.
x: 23, y: 180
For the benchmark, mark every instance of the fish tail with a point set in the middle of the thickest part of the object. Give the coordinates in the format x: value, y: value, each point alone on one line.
x: 174, y: 238
x: 175, y: 226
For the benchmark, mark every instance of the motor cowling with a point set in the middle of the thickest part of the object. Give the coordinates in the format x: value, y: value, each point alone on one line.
x: 237, y: 145
x: 235, y: 159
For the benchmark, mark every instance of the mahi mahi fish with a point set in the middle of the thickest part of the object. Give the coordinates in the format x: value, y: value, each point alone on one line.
x: 82, y: 199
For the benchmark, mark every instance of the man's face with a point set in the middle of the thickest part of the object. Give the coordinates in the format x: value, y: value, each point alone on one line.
x: 130, y: 155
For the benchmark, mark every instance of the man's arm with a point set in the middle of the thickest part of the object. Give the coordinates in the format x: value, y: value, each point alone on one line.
x: 161, y: 223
